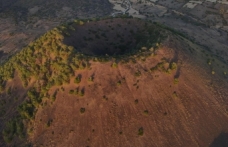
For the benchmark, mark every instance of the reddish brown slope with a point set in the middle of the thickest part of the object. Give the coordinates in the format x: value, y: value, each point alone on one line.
x: 190, y: 113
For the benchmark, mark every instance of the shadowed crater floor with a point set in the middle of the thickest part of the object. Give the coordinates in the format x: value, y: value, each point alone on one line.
x: 111, y: 37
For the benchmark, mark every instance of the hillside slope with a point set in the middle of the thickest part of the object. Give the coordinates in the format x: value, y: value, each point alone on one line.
x: 190, y: 113
x: 165, y: 91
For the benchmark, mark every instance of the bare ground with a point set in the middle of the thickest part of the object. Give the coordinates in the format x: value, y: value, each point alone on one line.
x: 190, y: 113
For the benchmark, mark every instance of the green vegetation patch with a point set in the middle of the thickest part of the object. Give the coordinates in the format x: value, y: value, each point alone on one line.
x: 13, y: 127
x: 141, y: 131
x: 82, y: 110
x: 52, y: 59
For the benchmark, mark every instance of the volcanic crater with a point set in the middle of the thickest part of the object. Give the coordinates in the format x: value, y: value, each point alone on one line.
x: 154, y: 88
x: 110, y: 37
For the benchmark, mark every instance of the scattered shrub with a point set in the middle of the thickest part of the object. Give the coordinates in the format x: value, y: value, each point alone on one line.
x: 136, y: 101
x: 159, y: 66
x: 49, y: 123
x: 137, y: 73
x: 146, y: 112
x: 62, y: 88
x: 176, y: 81
x: 53, y: 97
x: 81, y: 92
x: 90, y: 79
x: 114, y: 65
x: 77, y: 80
x: 168, y: 71
x: 71, y: 92
x: 105, y: 98
x: 119, y: 83
x: 175, y: 94
x: 173, y: 66
x: 140, y: 131
x: 82, y: 110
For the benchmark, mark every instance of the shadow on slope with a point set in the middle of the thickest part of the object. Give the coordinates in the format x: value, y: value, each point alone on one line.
x: 2, y: 54
x: 220, y: 141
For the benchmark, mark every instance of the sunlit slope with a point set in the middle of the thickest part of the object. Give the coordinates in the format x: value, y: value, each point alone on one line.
x: 78, y: 85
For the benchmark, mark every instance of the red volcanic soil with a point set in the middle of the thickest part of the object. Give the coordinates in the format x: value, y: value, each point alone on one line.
x: 138, y: 103
x: 118, y: 103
